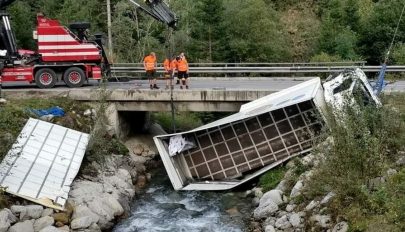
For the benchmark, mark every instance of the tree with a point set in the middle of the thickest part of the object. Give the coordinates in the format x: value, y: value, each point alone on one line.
x: 378, y: 31
x: 338, y: 37
x: 207, y: 31
x: 23, y: 23
x: 254, y: 32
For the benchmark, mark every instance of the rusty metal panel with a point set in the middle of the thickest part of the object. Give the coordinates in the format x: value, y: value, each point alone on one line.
x: 234, y: 149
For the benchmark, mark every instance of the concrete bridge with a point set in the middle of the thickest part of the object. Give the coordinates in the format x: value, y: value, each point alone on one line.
x: 157, y: 100
x: 209, y: 95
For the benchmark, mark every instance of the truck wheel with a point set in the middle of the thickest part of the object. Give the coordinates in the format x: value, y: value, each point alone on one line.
x: 74, y: 77
x: 45, y: 78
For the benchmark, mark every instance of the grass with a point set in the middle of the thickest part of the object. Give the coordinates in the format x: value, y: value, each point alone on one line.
x: 14, y: 115
x: 272, y: 178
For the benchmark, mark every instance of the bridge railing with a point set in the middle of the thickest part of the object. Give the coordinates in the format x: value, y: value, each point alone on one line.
x: 249, y: 69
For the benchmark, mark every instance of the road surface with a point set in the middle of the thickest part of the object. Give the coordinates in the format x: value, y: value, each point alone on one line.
x: 271, y: 84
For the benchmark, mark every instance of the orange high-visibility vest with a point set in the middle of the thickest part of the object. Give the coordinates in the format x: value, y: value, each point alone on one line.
x: 166, y: 65
x: 149, y: 63
x: 182, y: 65
x: 173, y: 65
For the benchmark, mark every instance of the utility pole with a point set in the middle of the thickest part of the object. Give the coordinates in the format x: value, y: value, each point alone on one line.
x: 110, y: 44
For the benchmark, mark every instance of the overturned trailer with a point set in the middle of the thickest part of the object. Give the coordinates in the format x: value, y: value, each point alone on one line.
x: 262, y: 135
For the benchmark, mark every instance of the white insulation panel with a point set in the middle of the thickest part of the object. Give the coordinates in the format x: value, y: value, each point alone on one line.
x: 43, y: 163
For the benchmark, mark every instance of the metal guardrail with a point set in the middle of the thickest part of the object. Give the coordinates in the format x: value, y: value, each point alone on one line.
x: 121, y: 69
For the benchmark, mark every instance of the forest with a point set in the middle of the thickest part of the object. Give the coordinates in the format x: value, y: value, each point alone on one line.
x: 235, y: 30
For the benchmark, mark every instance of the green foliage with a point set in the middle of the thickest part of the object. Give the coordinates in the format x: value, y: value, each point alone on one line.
x: 101, y: 143
x: 208, y: 31
x: 255, y: 33
x: 270, y: 179
x: 398, y: 54
x: 324, y: 57
x: 183, y: 120
x: 234, y: 30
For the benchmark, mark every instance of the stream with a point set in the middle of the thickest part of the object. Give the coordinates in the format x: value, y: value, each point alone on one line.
x: 160, y: 208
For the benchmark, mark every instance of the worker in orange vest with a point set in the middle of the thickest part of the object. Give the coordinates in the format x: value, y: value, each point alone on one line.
x: 167, y: 75
x: 149, y: 64
x: 173, y: 69
x: 182, y: 67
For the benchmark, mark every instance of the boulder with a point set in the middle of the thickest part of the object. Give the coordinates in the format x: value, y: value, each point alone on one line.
x: 264, y: 211
x: 269, y: 228
x: 312, y: 205
x: 43, y: 222
x: 28, y: 212
x: 93, y: 228
x: 341, y: 227
x: 308, y: 160
x: 290, y: 207
x: 401, y: 161
x: 275, y: 196
x: 294, y: 219
x: 51, y: 229
x: 233, y: 212
x: 269, y: 221
x: 83, y: 191
x: 391, y: 172
x: 6, y: 219
x: 61, y: 218
x: 256, y: 201
x: 141, y: 181
x: 322, y: 220
x: 258, y: 192
x: 283, y: 223
x: 81, y: 223
x: 282, y: 186
x: 18, y: 209
x: 296, y: 190
x: 327, y: 198
x: 83, y: 211
x: 87, y: 113
x: 107, y: 208
x: 47, y: 212
x: 64, y: 228
x: 26, y: 226
x: 138, y: 149
x: 114, y: 205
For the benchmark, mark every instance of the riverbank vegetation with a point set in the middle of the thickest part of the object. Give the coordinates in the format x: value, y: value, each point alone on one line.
x: 236, y: 30
x: 359, y: 164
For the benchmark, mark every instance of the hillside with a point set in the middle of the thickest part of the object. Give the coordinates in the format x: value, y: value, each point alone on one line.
x: 237, y: 30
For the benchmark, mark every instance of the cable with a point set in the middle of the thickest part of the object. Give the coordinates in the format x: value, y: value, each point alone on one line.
x: 395, y: 34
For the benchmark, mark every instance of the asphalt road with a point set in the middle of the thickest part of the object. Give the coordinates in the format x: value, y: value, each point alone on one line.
x: 271, y: 84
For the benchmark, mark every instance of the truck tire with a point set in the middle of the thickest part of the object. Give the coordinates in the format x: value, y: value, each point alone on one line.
x: 45, y: 78
x: 74, y: 77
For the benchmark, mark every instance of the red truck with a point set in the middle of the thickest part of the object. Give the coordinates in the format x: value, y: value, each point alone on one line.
x: 61, y: 55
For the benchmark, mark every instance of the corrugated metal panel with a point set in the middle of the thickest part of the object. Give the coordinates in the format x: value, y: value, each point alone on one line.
x: 43, y: 163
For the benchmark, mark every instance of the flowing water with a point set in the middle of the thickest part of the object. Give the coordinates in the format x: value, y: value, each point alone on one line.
x: 160, y: 208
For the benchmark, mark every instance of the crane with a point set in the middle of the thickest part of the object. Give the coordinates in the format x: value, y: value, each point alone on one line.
x: 159, y: 10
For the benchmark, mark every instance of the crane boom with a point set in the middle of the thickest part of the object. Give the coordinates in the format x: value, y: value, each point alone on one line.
x: 158, y: 10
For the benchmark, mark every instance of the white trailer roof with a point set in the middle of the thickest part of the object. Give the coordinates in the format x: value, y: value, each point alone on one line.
x: 43, y: 163
x: 290, y: 96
